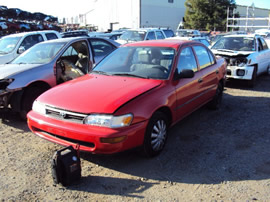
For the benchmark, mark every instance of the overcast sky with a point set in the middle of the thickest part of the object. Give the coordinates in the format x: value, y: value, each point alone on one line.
x: 66, y: 8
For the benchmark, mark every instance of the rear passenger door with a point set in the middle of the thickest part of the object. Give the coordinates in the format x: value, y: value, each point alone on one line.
x: 207, y: 72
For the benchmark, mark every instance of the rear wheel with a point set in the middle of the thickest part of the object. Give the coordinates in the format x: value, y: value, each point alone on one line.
x: 216, y: 102
x: 156, y: 135
x: 28, y: 98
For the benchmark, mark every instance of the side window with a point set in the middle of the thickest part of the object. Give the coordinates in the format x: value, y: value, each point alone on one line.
x: 264, y: 44
x: 50, y: 36
x: 160, y: 35
x: 202, y: 56
x: 151, y: 36
x: 101, y: 48
x: 187, y: 60
x: 70, y: 51
x: 31, y: 40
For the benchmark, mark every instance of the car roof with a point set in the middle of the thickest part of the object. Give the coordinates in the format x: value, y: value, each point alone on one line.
x: 29, y: 33
x: 171, y: 43
x: 240, y: 35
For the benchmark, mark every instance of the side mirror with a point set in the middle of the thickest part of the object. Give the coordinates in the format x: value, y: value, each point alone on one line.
x: 21, y: 50
x: 185, y: 73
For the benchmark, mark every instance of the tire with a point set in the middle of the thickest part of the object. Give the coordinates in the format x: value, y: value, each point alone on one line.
x: 268, y: 70
x: 253, y: 80
x: 156, y: 135
x: 28, y: 98
x: 216, y: 101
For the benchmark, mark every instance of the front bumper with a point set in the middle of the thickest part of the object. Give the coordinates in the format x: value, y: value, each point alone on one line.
x: 236, y: 72
x: 67, y: 133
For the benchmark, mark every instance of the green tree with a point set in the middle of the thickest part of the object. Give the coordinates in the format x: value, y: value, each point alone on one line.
x: 207, y: 14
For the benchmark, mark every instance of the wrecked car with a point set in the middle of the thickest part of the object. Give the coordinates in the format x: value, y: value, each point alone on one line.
x: 247, y: 56
x: 47, y: 64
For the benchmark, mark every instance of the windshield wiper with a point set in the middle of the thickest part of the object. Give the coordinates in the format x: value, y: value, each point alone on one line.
x: 131, y: 75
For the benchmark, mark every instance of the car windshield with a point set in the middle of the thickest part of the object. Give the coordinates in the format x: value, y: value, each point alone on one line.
x: 142, y: 62
x: 133, y: 35
x: 40, y: 53
x: 235, y: 43
x: 7, y: 44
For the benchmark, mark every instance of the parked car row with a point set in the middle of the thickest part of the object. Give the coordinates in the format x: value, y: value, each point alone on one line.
x: 116, y: 97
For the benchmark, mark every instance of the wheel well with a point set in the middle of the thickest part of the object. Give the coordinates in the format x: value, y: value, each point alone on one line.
x: 39, y: 84
x: 167, y: 112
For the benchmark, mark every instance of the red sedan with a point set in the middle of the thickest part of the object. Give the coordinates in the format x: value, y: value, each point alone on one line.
x: 131, y: 98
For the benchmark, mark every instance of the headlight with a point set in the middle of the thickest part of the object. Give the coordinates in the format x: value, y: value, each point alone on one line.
x: 39, y: 107
x: 4, y: 83
x: 109, y: 121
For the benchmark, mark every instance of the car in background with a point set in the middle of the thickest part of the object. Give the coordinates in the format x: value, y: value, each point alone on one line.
x: 74, y: 33
x: 168, y: 32
x: 247, y: 56
x: 141, y: 34
x: 3, y: 26
x: 45, y: 65
x: 14, y: 44
x: 131, y: 97
x: 187, y: 33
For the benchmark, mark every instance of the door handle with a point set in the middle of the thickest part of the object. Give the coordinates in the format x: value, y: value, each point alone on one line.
x: 200, y: 80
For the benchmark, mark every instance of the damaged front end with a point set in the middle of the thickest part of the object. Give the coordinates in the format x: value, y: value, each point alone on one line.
x: 239, y: 66
x: 5, y: 93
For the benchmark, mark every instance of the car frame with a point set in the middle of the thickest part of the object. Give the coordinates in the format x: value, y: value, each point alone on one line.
x: 133, y: 96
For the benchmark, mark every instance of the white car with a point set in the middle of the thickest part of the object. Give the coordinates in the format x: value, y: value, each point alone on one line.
x: 14, y: 44
x: 247, y: 56
x: 141, y: 34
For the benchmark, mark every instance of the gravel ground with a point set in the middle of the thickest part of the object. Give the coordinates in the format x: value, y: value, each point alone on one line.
x: 219, y: 155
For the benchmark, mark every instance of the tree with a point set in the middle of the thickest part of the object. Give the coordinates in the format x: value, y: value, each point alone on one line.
x: 207, y: 14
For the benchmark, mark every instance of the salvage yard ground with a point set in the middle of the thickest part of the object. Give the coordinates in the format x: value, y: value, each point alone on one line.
x: 219, y: 155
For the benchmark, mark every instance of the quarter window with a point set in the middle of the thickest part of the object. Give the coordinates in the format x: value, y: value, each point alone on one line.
x: 202, y: 56
x: 187, y: 60
x: 51, y: 36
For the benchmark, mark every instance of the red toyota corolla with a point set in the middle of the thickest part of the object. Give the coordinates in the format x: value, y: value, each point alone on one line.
x: 131, y: 98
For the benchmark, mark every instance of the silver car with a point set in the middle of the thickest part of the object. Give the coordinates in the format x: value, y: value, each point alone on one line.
x: 47, y: 64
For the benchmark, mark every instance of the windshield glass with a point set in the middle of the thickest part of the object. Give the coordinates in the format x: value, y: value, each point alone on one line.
x: 40, y: 53
x: 133, y: 35
x: 235, y: 43
x: 143, y: 62
x: 7, y: 44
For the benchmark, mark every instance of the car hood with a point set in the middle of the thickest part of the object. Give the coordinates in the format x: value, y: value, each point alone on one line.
x: 231, y: 52
x: 8, y: 70
x: 97, y: 93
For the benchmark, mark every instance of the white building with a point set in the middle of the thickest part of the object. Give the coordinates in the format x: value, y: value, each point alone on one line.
x: 135, y: 13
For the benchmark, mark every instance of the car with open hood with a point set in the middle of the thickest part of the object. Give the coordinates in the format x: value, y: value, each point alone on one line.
x: 247, y: 56
x: 131, y: 98
x: 46, y: 65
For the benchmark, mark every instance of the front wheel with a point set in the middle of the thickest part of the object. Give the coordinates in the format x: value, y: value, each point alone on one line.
x: 155, y: 135
x: 253, y: 80
x: 29, y: 97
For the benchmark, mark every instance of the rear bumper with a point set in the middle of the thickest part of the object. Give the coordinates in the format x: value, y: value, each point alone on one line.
x: 66, y: 133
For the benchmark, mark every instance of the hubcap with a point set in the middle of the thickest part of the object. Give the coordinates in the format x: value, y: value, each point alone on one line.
x: 158, y: 135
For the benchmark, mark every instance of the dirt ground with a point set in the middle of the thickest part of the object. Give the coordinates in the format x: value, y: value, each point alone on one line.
x: 219, y: 155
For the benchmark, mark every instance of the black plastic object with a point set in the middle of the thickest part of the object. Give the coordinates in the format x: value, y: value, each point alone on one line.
x: 66, y: 166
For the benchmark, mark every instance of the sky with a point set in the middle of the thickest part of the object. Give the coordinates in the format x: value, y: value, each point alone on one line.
x: 65, y: 8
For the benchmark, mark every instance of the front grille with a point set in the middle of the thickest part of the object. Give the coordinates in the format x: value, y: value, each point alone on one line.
x: 64, y: 115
